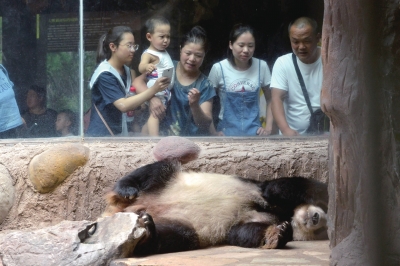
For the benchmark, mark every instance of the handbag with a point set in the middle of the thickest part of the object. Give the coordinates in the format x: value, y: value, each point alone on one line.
x: 319, y: 121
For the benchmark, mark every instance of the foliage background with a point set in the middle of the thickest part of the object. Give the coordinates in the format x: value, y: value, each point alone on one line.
x: 63, y: 80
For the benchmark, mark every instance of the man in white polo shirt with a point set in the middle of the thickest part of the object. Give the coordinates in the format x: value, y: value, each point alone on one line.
x: 289, y: 106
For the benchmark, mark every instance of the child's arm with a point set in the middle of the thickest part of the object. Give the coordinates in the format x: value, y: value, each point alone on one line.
x: 146, y: 64
x: 133, y: 102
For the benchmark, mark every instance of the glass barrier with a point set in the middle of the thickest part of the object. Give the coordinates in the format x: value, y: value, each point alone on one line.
x: 39, y: 52
x: 49, y: 64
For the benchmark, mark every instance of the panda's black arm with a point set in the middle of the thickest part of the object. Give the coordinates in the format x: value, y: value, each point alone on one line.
x: 146, y: 178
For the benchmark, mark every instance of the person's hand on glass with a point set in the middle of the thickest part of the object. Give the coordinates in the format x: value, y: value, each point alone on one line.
x: 290, y: 132
x: 261, y: 131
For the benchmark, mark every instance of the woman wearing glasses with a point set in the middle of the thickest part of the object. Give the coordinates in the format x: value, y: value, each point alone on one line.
x: 111, y: 82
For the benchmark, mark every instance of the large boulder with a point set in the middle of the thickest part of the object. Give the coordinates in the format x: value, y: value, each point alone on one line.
x: 49, y: 169
x: 7, y: 191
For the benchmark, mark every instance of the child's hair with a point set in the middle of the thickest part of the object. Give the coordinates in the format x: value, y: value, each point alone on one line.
x: 196, y: 35
x: 73, y: 118
x: 114, y: 36
x: 152, y: 23
x: 235, y: 33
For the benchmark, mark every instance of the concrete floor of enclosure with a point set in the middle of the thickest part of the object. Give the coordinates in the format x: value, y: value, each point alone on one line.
x: 308, y: 253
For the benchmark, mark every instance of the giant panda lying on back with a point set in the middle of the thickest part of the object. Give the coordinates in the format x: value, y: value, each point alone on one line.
x: 188, y: 210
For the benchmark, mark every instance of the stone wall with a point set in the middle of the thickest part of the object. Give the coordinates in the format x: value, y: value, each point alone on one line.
x: 80, y: 196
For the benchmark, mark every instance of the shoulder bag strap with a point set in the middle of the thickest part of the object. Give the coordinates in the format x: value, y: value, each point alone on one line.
x: 259, y: 73
x: 104, y: 121
x: 222, y: 73
x: 303, y: 86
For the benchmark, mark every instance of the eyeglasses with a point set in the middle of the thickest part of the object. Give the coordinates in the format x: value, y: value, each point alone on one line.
x: 132, y: 47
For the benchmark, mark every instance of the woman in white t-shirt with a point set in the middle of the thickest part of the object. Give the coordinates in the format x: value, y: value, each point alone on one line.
x: 238, y: 80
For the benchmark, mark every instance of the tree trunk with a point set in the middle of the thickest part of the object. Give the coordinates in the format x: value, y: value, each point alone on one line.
x: 361, y: 55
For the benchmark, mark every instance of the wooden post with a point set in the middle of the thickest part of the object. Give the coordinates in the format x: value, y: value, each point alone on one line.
x: 361, y: 93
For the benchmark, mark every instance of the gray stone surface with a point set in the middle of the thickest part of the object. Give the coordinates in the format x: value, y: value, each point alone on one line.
x: 72, y: 242
x: 6, y: 193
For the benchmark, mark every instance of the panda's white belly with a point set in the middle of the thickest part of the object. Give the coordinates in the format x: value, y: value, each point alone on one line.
x: 211, y: 203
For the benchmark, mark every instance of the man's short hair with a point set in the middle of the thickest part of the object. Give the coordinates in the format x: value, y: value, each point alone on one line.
x: 302, y: 22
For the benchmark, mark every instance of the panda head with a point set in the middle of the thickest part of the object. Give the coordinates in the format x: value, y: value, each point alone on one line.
x: 309, y: 222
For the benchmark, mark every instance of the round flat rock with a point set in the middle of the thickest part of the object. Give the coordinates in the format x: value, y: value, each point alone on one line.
x: 174, y: 147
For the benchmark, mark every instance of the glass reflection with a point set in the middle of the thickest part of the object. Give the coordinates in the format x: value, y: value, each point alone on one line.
x: 269, y: 20
x: 39, y: 49
x: 40, y: 45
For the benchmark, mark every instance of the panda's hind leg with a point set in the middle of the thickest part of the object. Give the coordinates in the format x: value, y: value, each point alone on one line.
x: 258, y: 234
x: 147, y: 178
x: 165, y: 236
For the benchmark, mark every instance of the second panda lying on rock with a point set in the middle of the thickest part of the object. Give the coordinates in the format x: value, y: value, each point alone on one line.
x: 189, y: 210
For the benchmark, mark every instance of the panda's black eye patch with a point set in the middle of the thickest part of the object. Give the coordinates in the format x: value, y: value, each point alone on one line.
x: 315, y: 218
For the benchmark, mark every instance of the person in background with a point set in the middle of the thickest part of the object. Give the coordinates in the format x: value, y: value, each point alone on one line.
x: 66, y: 123
x: 10, y: 118
x: 190, y: 110
x: 39, y: 120
x: 154, y: 61
x: 289, y: 106
x: 111, y: 82
x: 238, y: 80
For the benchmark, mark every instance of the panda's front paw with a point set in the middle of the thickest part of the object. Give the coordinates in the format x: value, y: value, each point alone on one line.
x: 126, y: 192
x: 148, y: 244
x: 145, y: 220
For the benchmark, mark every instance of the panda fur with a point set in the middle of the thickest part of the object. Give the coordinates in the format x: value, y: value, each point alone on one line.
x: 188, y: 210
x: 301, y: 200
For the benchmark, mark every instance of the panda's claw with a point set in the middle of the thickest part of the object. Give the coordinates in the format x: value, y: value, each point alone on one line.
x: 145, y: 220
x: 126, y: 192
x: 278, y: 235
x: 283, y: 226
